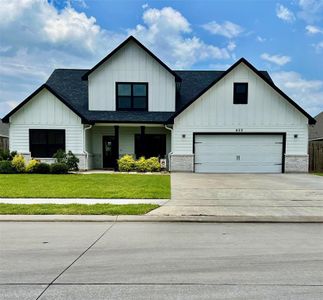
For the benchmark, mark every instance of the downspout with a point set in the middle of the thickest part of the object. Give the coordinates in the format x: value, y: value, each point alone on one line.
x: 84, y: 146
x: 170, y: 153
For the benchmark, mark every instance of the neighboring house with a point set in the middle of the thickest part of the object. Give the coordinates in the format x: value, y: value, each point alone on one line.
x: 132, y: 103
x: 316, y: 131
x: 4, y: 136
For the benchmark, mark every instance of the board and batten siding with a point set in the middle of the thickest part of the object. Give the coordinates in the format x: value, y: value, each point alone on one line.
x: 265, y: 112
x: 131, y: 64
x: 45, y: 111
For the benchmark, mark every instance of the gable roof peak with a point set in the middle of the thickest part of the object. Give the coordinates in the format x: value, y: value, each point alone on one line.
x: 125, y: 42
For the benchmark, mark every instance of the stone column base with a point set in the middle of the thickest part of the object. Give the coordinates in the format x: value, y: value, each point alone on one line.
x: 296, y: 163
x: 182, y: 162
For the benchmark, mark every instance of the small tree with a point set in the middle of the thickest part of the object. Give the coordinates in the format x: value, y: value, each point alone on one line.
x: 72, y: 161
x: 60, y: 156
x: 69, y: 159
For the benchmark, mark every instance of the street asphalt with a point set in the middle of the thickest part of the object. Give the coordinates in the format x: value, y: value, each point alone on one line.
x: 124, y: 260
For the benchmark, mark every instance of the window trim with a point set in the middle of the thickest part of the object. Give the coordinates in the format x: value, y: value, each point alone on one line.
x: 131, y: 97
x: 46, y: 130
x: 234, y: 93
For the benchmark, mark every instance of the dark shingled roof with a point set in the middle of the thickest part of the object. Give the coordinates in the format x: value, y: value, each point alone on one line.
x: 69, y: 85
x: 194, y: 82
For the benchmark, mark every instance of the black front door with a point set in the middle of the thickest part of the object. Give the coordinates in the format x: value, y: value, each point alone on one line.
x: 109, y: 151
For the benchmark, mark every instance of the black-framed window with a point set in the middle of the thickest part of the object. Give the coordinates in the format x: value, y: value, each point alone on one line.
x: 46, y: 142
x: 150, y: 145
x: 132, y: 96
x: 240, y: 93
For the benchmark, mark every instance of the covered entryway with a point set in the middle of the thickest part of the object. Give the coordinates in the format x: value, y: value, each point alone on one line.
x: 238, y: 153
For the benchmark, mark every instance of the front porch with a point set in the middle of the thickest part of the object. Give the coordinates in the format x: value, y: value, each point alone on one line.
x: 105, y: 143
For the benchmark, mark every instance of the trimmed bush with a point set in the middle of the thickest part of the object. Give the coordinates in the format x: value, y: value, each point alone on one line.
x: 6, y: 167
x: 126, y: 163
x: 42, y: 168
x: 153, y: 164
x: 32, y: 166
x: 58, y: 168
x: 67, y: 158
x: 18, y: 162
x: 141, y: 165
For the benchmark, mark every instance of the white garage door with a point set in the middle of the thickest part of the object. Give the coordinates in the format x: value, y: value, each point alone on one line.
x: 238, y: 153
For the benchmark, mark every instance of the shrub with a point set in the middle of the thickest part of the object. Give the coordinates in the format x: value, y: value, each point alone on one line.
x: 6, y: 167
x: 153, y: 164
x: 69, y: 159
x: 42, y: 168
x: 18, y: 162
x: 126, y: 163
x: 32, y: 166
x: 58, y: 168
x: 141, y: 165
x: 60, y: 156
x: 7, y: 155
x: 72, y: 161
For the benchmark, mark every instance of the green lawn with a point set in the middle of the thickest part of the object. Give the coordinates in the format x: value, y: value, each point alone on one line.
x: 75, y: 209
x: 320, y: 174
x: 84, y: 186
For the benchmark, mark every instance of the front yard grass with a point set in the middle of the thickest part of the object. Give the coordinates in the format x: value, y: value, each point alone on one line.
x: 75, y: 209
x: 320, y: 174
x: 111, y: 186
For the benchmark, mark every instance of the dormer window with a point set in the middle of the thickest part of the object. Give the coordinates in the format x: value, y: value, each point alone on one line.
x: 132, y: 96
x: 240, y: 93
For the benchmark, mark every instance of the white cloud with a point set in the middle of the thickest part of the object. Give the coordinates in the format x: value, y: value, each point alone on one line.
x: 311, y: 10
x: 276, y: 59
x: 310, y: 29
x: 318, y: 47
x: 231, y: 46
x: 227, y: 29
x: 284, y: 13
x: 307, y: 93
x: 168, y: 33
x: 36, y: 38
x: 261, y: 39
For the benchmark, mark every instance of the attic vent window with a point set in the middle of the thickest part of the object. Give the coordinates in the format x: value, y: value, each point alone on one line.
x: 132, y: 96
x: 240, y: 93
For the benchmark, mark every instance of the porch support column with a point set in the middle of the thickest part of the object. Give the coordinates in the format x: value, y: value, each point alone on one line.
x: 116, y: 136
x: 142, y: 140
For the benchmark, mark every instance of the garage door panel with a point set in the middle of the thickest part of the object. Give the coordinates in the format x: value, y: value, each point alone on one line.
x: 238, y: 153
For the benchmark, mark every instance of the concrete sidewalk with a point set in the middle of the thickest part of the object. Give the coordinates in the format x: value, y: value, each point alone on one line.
x: 81, y: 201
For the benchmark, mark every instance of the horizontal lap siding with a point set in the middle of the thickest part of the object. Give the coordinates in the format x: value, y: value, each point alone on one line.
x: 266, y: 111
x: 45, y: 111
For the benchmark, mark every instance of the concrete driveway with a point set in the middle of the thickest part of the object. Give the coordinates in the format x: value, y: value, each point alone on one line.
x: 246, y: 197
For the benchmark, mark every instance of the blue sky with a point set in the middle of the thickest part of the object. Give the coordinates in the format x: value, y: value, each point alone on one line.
x: 283, y: 37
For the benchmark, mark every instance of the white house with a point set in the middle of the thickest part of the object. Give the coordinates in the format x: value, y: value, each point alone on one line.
x: 236, y: 120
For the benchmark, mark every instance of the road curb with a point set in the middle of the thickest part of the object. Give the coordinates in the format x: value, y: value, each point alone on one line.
x: 198, y: 219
